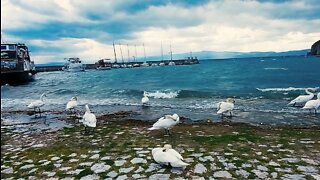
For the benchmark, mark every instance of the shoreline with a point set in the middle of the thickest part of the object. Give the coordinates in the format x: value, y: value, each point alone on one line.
x: 121, y: 148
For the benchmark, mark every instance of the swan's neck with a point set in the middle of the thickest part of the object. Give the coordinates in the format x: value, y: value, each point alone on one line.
x: 42, y: 97
x: 308, y: 92
x: 87, y: 109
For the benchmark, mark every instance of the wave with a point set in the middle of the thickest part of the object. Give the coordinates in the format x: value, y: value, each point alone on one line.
x: 285, y: 89
x: 276, y: 69
x: 163, y: 95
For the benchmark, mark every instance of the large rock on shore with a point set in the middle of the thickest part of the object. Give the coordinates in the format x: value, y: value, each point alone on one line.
x: 315, y: 49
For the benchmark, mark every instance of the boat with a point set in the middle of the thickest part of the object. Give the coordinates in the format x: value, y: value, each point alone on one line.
x: 16, y: 65
x: 104, y: 64
x: 162, y: 64
x: 171, y: 63
x: 145, y: 64
x: 73, y: 64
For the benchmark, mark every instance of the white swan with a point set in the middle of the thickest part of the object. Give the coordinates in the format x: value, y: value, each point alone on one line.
x: 166, y: 122
x: 88, y: 119
x: 302, y: 98
x: 168, y: 156
x: 226, y: 106
x: 72, y: 104
x: 145, y: 99
x: 37, y: 104
x: 313, y: 104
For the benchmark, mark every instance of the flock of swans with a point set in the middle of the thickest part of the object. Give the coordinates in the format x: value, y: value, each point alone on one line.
x: 166, y: 155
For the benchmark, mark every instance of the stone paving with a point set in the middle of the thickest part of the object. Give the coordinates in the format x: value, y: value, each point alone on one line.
x: 122, y: 150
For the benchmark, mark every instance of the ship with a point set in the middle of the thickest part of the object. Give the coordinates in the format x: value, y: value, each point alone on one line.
x: 73, y: 64
x: 104, y: 64
x: 16, y: 65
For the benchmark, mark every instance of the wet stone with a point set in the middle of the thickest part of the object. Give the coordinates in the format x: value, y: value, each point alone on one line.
x: 274, y: 175
x: 189, y: 160
x: 262, y: 168
x: 105, y: 158
x: 73, y: 160
x: 96, y: 156
x: 86, y: 164
x: 55, y: 158
x: 196, y: 154
x: 138, y: 160
x: 310, y: 161
x: 73, y: 155
x: 200, y: 168
x: 123, y: 177
x: 125, y: 170
x: 57, y: 165
x: 222, y: 174
x: 260, y: 174
x: 100, y: 167
x: 159, y: 176
x: 272, y: 163
x: 112, y: 174
x: 242, y: 173
x: 75, y: 172
x: 307, y: 169
x: 49, y: 174
x: 151, y: 167
x: 177, y: 170
x: 65, y: 168
x: 90, y: 177
x: 119, y: 162
x: 7, y: 171
x: 140, y: 169
x: 28, y: 166
x: 294, y: 176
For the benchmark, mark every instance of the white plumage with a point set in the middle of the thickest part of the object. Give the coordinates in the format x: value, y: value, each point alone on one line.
x: 72, y: 103
x: 145, y: 99
x: 302, y: 98
x: 168, y: 156
x: 227, y: 106
x: 313, y: 104
x: 38, y: 103
x: 89, y: 119
x: 166, y: 122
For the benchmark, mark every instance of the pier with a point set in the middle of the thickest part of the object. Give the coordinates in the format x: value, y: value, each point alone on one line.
x: 188, y: 61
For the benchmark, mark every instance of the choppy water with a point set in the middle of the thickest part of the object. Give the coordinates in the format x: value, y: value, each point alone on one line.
x: 262, y: 87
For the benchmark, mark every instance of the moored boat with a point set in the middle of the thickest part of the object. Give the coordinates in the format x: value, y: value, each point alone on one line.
x: 16, y: 65
x: 73, y: 65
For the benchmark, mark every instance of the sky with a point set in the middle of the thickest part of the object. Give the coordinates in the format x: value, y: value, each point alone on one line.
x: 57, y: 29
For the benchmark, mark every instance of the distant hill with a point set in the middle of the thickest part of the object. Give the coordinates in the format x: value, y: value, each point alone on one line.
x: 315, y: 49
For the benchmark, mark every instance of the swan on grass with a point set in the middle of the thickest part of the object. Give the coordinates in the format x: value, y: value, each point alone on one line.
x: 145, y: 99
x: 72, y: 104
x: 226, y: 106
x: 166, y: 122
x: 313, y: 104
x: 168, y: 156
x: 89, y: 120
x: 35, y: 105
x: 302, y: 98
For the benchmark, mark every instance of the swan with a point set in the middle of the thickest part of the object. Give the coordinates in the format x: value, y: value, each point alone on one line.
x: 168, y: 156
x: 302, y: 98
x: 226, y: 106
x: 145, y: 99
x: 88, y: 119
x: 72, y: 104
x: 313, y: 104
x: 37, y: 104
x: 166, y: 122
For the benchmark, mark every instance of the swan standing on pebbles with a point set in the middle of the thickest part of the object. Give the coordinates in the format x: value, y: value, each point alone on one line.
x: 88, y: 119
x: 313, y: 104
x: 302, y: 98
x: 166, y: 122
x: 72, y: 104
x: 37, y: 104
x: 226, y: 106
x: 145, y: 99
x: 168, y: 156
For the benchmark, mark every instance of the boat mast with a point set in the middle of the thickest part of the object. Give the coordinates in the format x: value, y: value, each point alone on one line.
x: 161, y: 51
x: 170, y: 51
x: 135, y: 49
x: 115, y: 54
x: 128, y: 52
x: 121, y: 53
x: 144, y: 52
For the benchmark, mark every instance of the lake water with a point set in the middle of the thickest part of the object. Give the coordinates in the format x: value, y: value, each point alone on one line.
x: 262, y: 88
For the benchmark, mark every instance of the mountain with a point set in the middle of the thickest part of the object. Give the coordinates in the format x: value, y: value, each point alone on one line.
x: 315, y: 49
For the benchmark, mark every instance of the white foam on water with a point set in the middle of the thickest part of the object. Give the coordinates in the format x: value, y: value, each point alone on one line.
x: 276, y: 69
x: 285, y: 89
x: 162, y: 94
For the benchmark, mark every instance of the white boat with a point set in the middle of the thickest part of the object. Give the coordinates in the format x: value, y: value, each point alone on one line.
x: 171, y: 63
x: 145, y: 64
x: 136, y: 65
x: 115, y: 66
x: 162, y: 64
x: 73, y: 65
x: 154, y: 64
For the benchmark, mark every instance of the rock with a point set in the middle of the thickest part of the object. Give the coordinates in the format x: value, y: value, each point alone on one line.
x: 140, y: 169
x: 245, y: 165
x: 142, y: 152
x: 38, y: 145
x: 125, y: 170
x: 176, y: 170
x: 83, y: 156
x: 286, y: 170
x: 222, y: 174
x: 65, y: 168
x: 272, y: 163
x: 49, y: 174
x: 262, y: 168
x: 28, y: 166
x: 86, y: 164
x: 315, y: 49
x: 7, y: 170
x: 90, y: 177
x: 189, y: 160
x: 73, y: 160
x: 152, y: 167
x: 261, y: 175
x: 75, y: 172
x: 294, y: 176
x: 200, y: 168
x: 123, y: 177
x: 138, y: 160
x: 242, y: 173
x: 112, y: 174
x: 290, y: 160
x: 55, y: 158
x: 100, y: 167
x: 105, y: 158
x: 73, y: 155
x: 274, y: 175
x: 96, y: 156
x: 196, y: 154
x: 159, y: 176
x: 137, y: 176
x: 57, y: 165
x: 119, y: 162
x: 307, y: 169
x: 310, y: 161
